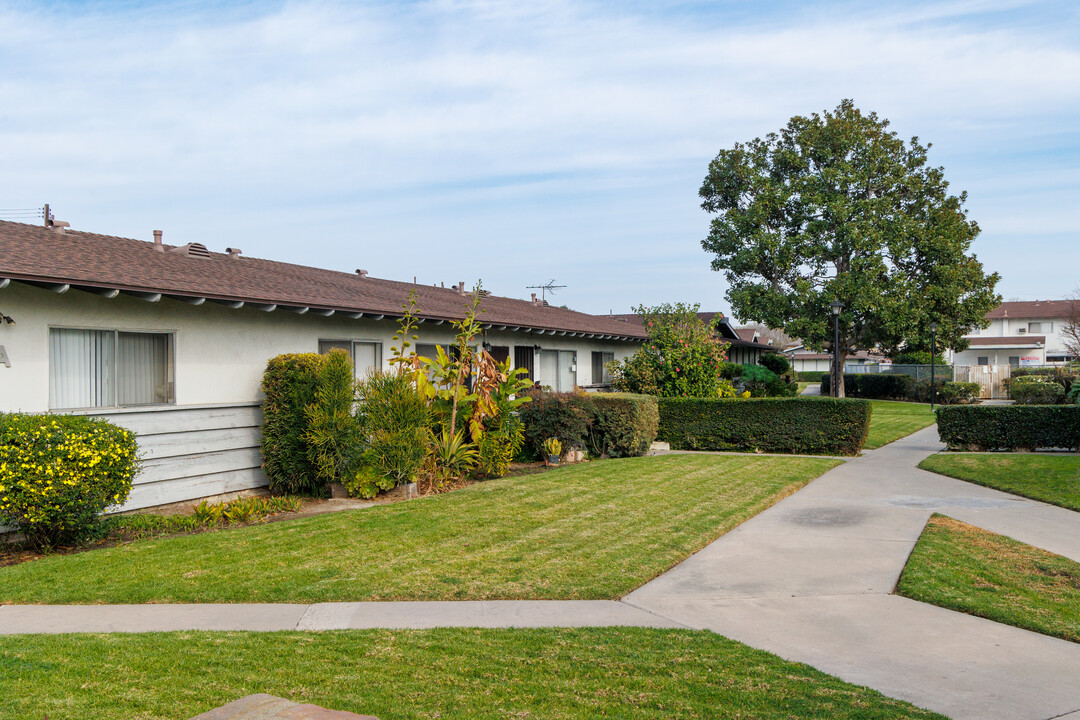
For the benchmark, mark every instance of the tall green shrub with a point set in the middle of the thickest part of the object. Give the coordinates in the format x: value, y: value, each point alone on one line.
x: 290, y: 384
x: 396, y: 422
x: 333, y: 436
x: 819, y: 426
x: 625, y: 425
x: 58, y: 473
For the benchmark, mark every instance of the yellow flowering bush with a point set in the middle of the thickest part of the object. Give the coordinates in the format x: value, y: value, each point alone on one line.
x: 58, y: 473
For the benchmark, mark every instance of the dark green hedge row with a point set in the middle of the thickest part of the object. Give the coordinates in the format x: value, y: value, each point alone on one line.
x: 626, y: 424
x: 811, y: 375
x: 1009, y: 427
x: 812, y: 426
x: 614, y: 424
x: 876, y: 386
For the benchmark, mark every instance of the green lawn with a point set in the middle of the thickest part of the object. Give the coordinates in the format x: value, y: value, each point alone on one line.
x: 892, y: 420
x: 961, y: 567
x: 590, y: 531
x: 461, y: 673
x: 1053, y: 479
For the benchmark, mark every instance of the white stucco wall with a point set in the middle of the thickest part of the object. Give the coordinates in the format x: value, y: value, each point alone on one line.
x: 220, y: 353
x: 1018, y: 327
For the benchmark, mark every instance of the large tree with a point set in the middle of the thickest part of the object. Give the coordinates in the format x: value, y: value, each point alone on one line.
x: 838, y: 207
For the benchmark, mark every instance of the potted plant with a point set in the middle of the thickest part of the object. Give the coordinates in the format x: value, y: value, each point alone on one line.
x: 552, y: 451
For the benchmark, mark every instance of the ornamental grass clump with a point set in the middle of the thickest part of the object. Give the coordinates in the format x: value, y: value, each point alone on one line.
x: 59, y: 473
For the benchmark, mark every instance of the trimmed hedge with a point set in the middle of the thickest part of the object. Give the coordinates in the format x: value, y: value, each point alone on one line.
x: 1036, y: 390
x: 625, y: 424
x: 291, y: 383
x: 1009, y: 427
x: 811, y: 375
x: 876, y: 386
x: 58, y: 473
x: 812, y: 426
x: 567, y: 416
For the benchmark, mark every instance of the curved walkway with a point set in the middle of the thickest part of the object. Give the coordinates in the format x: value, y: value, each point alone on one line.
x: 809, y: 579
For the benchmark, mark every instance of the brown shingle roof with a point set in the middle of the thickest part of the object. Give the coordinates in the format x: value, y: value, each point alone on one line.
x: 726, y: 331
x: 1030, y: 309
x: 34, y: 253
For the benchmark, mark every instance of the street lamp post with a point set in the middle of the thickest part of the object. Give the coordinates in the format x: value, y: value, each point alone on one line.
x: 838, y: 376
x: 933, y: 362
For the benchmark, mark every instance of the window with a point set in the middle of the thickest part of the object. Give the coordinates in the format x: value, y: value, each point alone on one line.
x: 109, y: 368
x: 366, y: 356
x: 984, y: 360
x: 1014, y: 361
x: 524, y: 358
x: 600, y: 374
x: 1040, y: 327
x: 558, y: 369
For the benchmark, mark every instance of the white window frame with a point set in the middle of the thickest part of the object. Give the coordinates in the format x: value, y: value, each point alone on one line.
x: 170, y: 381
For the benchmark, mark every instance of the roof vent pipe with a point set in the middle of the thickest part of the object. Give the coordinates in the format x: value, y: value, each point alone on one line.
x: 233, y: 252
x: 461, y: 288
x: 157, y: 241
x: 533, y: 298
x: 361, y: 273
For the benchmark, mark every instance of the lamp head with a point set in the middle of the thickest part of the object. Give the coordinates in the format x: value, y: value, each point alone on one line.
x: 933, y: 327
x: 836, y: 307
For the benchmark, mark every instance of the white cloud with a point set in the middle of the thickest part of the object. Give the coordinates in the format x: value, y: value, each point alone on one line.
x: 467, y: 124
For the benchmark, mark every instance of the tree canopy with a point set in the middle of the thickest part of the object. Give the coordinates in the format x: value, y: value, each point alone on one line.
x: 838, y: 207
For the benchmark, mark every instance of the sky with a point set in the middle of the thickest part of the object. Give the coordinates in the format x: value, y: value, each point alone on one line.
x: 518, y: 143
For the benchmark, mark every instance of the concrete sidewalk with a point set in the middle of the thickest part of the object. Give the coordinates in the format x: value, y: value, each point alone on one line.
x: 809, y: 579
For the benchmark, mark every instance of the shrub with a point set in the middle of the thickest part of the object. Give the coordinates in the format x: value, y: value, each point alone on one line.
x: 919, y: 357
x: 1036, y: 390
x: 880, y: 387
x: 1009, y: 427
x: 290, y: 383
x: 786, y: 425
x: 813, y: 376
x: 1074, y: 394
x: 682, y: 357
x: 958, y: 393
x: 730, y: 370
x: 775, y: 362
x: 396, y: 421
x: 566, y: 416
x: 332, y: 433
x: 59, y: 473
x: 625, y: 425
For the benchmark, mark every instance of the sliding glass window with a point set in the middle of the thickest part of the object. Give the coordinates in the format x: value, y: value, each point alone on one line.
x: 109, y: 368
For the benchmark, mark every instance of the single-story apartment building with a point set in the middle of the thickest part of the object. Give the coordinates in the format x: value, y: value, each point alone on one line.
x: 172, y: 342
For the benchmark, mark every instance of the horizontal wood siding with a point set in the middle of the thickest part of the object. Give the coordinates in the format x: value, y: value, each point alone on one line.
x: 193, y: 452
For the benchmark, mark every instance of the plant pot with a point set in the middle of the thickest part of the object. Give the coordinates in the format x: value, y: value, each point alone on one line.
x: 552, y: 461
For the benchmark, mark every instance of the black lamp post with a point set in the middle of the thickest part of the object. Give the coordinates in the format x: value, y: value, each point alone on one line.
x: 933, y: 362
x: 838, y: 375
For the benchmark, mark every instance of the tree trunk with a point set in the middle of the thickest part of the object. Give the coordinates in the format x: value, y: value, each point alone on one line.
x: 837, y: 378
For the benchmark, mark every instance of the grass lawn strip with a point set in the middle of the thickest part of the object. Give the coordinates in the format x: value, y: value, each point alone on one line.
x: 892, y: 420
x: 1053, y: 479
x: 459, y: 673
x: 590, y: 531
x: 962, y: 567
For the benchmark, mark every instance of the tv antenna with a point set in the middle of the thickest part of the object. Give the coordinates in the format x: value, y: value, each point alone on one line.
x: 549, y: 287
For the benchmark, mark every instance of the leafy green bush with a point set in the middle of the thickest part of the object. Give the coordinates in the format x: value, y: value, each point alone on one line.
x: 775, y: 362
x: 332, y: 433
x: 919, y: 357
x: 824, y: 426
x: 1009, y: 427
x: 58, y: 473
x: 730, y: 370
x: 566, y: 416
x: 876, y: 386
x: 1036, y: 390
x: 625, y: 425
x: 396, y: 422
x: 290, y: 384
x: 1074, y: 394
x: 958, y: 393
x: 682, y: 357
x: 812, y: 376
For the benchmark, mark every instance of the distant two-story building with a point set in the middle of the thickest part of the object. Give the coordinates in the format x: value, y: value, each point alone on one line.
x: 1020, y: 334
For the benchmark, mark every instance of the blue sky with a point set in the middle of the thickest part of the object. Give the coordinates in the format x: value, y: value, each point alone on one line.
x: 520, y: 142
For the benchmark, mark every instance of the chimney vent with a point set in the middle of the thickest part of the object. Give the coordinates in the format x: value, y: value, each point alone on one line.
x: 461, y: 288
x: 59, y: 225
x: 234, y: 252
x: 157, y: 241
x: 361, y: 273
x: 533, y: 298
